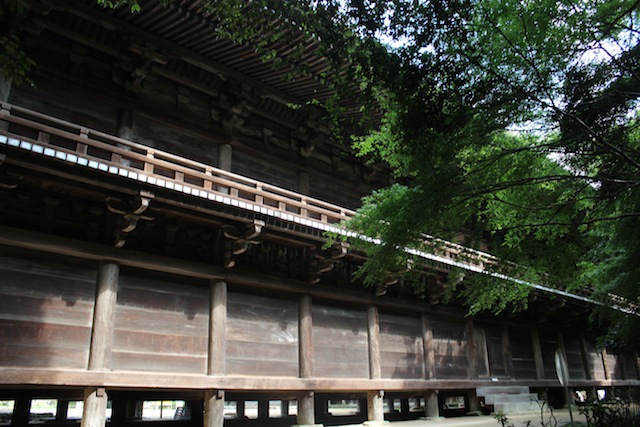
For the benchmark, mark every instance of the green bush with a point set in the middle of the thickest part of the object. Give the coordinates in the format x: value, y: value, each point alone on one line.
x: 619, y: 413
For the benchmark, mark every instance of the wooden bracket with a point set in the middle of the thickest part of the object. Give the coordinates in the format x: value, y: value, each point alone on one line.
x: 7, y: 181
x: 239, y: 239
x: 130, y: 213
x: 321, y: 261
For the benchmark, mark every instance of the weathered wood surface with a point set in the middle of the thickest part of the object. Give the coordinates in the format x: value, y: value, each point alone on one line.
x: 594, y: 360
x: 450, y: 349
x: 161, y: 326
x: 548, y: 346
x: 340, y: 343
x: 496, y: 355
x: 262, y: 336
x: 45, y: 314
x: 574, y: 358
x: 524, y: 366
x: 401, y: 347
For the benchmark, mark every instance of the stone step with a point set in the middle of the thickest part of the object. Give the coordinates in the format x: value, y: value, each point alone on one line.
x: 504, y: 389
x: 491, y: 399
x: 512, y: 408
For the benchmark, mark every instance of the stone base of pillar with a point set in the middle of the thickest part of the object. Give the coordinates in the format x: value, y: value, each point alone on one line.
x: 433, y: 418
x: 375, y: 423
x: 308, y: 425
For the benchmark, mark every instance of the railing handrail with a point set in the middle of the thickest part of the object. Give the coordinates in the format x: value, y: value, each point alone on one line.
x: 152, y: 158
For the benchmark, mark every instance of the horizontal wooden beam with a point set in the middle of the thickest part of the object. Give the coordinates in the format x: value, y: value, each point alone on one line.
x: 93, y: 251
x: 176, y: 381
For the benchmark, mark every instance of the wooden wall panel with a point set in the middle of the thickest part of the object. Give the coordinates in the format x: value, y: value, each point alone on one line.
x: 161, y: 135
x: 450, y: 348
x: 262, y: 169
x: 548, y: 345
x: 45, y: 314
x: 161, y: 326
x: 62, y: 102
x: 262, y: 336
x: 402, y: 354
x: 613, y: 365
x: 524, y: 366
x: 594, y: 358
x: 629, y: 366
x: 574, y: 358
x: 496, y: 353
x: 340, y: 343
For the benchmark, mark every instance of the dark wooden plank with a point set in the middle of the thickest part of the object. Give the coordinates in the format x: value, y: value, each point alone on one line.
x: 450, y: 349
x: 340, y: 342
x: 142, y: 361
x: 496, y: 355
x: 594, y: 359
x: 160, y: 343
x: 402, y: 351
x: 574, y: 358
x: 524, y: 366
x: 262, y: 335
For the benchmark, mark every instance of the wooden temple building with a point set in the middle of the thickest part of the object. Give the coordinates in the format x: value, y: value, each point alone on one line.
x: 163, y: 213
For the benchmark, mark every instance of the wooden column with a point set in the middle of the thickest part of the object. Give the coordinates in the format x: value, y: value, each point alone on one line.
x: 636, y: 362
x: 94, y: 413
x: 214, y: 399
x: 472, y: 354
x: 305, y: 338
x: 507, y: 355
x: 217, y: 328
x: 431, y: 407
x: 214, y: 408
x: 375, y: 403
x: 306, y: 411
x: 303, y: 182
x: 373, y: 334
x: 306, y: 405
x: 585, y: 359
x: 375, y: 408
x: 605, y: 364
x: 224, y: 157
x: 104, y: 313
x: 427, y: 346
x: 537, y: 353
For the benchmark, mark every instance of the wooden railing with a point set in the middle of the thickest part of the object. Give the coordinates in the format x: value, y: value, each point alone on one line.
x: 72, y: 143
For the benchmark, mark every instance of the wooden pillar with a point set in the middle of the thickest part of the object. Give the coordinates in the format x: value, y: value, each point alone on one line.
x: 507, y: 355
x: 431, y: 407
x: 214, y: 408
x: 306, y: 411
x: 94, y: 413
x: 427, y: 346
x: 373, y: 334
x: 303, y: 182
x: 472, y: 354
x: 104, y: 314
x: 375, y: 408
x: 636, y: 362
x: 224, y: 157
x: 214, y: 399
x: 375, y: 403
x: 21, y: 409
x: 605, y: 364
x: 537, y: 353
x: 217, y: 328
x: 585, y: 359
x: 305, y: 338
x: 306, y: 406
